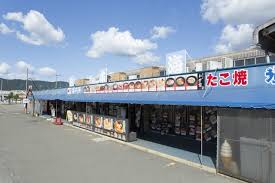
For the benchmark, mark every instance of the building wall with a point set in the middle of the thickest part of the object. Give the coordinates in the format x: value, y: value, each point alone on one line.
x: 118, y: 76
x: 246, y: 57
x: 80, y: 82
x: 149, y: 72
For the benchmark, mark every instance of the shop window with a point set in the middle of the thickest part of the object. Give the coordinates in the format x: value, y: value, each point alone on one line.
x: 238, y: 63
x: 250, y: 61
x: 260, y: 60
x: 162, y: 73
x: 272, y: 58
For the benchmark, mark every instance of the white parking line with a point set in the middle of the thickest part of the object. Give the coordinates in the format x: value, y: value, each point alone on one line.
x: 100, y: 139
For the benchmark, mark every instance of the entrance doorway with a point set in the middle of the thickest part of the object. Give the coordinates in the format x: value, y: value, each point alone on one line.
x: 178, y: 127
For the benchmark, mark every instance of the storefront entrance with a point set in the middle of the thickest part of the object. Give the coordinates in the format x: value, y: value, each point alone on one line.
x: 177, y: 127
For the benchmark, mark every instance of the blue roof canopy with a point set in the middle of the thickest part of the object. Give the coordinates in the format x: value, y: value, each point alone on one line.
x: 245, y: 98
x: 257, y: 94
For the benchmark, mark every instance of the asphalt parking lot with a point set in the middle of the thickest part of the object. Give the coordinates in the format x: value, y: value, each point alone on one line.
x: 32, y: 150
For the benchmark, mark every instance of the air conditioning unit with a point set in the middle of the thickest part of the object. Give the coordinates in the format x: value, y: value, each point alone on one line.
x: 130, y: 77
x: 188, y: 69
x: 199, y: 67
x: 212, y: 65
x: 228, y: 63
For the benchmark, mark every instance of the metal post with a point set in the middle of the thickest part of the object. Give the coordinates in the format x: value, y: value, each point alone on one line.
x: 55, y: 108
x: 1, y: 89
x: 201, y: 136
x: 56, y: 82
x: 270, y: 147
x: 27, y: 80
x: 26, y: 105
x: 86, y: 109
x: 33, y: 107
x: 218, y: 140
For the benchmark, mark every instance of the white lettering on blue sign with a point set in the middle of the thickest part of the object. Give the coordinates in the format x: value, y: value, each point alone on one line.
x: 270, y: 75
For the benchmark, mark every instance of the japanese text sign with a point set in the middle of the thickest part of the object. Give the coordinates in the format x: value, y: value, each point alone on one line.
x: 225, y: 78
x: 270, y: 75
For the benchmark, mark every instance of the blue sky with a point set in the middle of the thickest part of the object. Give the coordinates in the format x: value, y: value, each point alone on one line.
x: 193, y: 30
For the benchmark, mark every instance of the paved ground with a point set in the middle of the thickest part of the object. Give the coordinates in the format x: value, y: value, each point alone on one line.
x: 33, y: 150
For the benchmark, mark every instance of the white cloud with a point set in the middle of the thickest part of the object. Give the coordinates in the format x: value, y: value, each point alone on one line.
x: 14, y: 75
x: 47, y: 71
x: 16, y: 16
x: 161, y: 32
x: 238, y: 11
x: 4, y: 68
x: 235, y: 37
x: 4, y: 29
x: 23, y: 66
x: 40, y: 31
x: 146, y: 58
x: 240, y: 17
x: 19, y: 71
x: 115, y: 42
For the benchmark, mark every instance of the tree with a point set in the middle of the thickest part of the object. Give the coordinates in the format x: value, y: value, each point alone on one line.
x: 10, y: 96
x: 16, y: 97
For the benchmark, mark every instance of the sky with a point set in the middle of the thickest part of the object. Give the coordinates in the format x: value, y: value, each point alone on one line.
x: 77, y: 39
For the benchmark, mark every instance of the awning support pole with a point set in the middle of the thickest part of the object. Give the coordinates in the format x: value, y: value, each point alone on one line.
x: 56, y: 108
x: 86, y: 109
x: 201, y: 136
x: 33, y: 107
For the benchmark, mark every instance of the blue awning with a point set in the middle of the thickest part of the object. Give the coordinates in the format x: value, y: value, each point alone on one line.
x: 239, y: 97
x: 257, y: 92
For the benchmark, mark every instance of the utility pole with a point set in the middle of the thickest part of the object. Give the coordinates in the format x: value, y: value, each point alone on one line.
x: 106, y: 73
x: 27, y: 81
x: 26, y: 105
x: 56, y: 76
x: 1, y: 89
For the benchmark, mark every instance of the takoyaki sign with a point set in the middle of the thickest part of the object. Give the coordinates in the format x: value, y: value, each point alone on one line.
x: 169, y: 83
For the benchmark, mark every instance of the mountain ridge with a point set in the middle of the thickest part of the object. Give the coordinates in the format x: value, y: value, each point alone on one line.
x: 20, y: 84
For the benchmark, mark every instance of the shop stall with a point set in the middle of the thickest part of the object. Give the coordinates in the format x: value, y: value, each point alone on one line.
x: 185, y: 111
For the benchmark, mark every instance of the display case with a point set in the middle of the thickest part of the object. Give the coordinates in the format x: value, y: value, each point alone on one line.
x: 210, y: 123
x: 138, y: 116
x: 107, y: 125
x: 209, y: 128
x: 111, y: 126
x: 180, y: 125
x: 193, y: 121
x: 154, y: 120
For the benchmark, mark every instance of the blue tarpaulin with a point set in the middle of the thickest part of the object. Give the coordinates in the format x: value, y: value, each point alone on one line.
x: 258, y: 92
x: 245, y: 98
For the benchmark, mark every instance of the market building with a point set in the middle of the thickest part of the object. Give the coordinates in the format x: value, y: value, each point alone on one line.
x: 221, y: 119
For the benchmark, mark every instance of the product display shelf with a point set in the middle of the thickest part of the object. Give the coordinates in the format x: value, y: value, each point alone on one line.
x: 209, y: 125
x: 107, y: 125
x: 180, y: 126
x: 138, y: 117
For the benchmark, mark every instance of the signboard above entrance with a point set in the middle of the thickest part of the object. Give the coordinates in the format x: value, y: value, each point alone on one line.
x: 249, y: 77
x: 169, y: 83
x: 244, y: 77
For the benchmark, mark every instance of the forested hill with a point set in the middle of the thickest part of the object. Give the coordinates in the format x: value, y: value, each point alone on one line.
x: 19, y: 84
